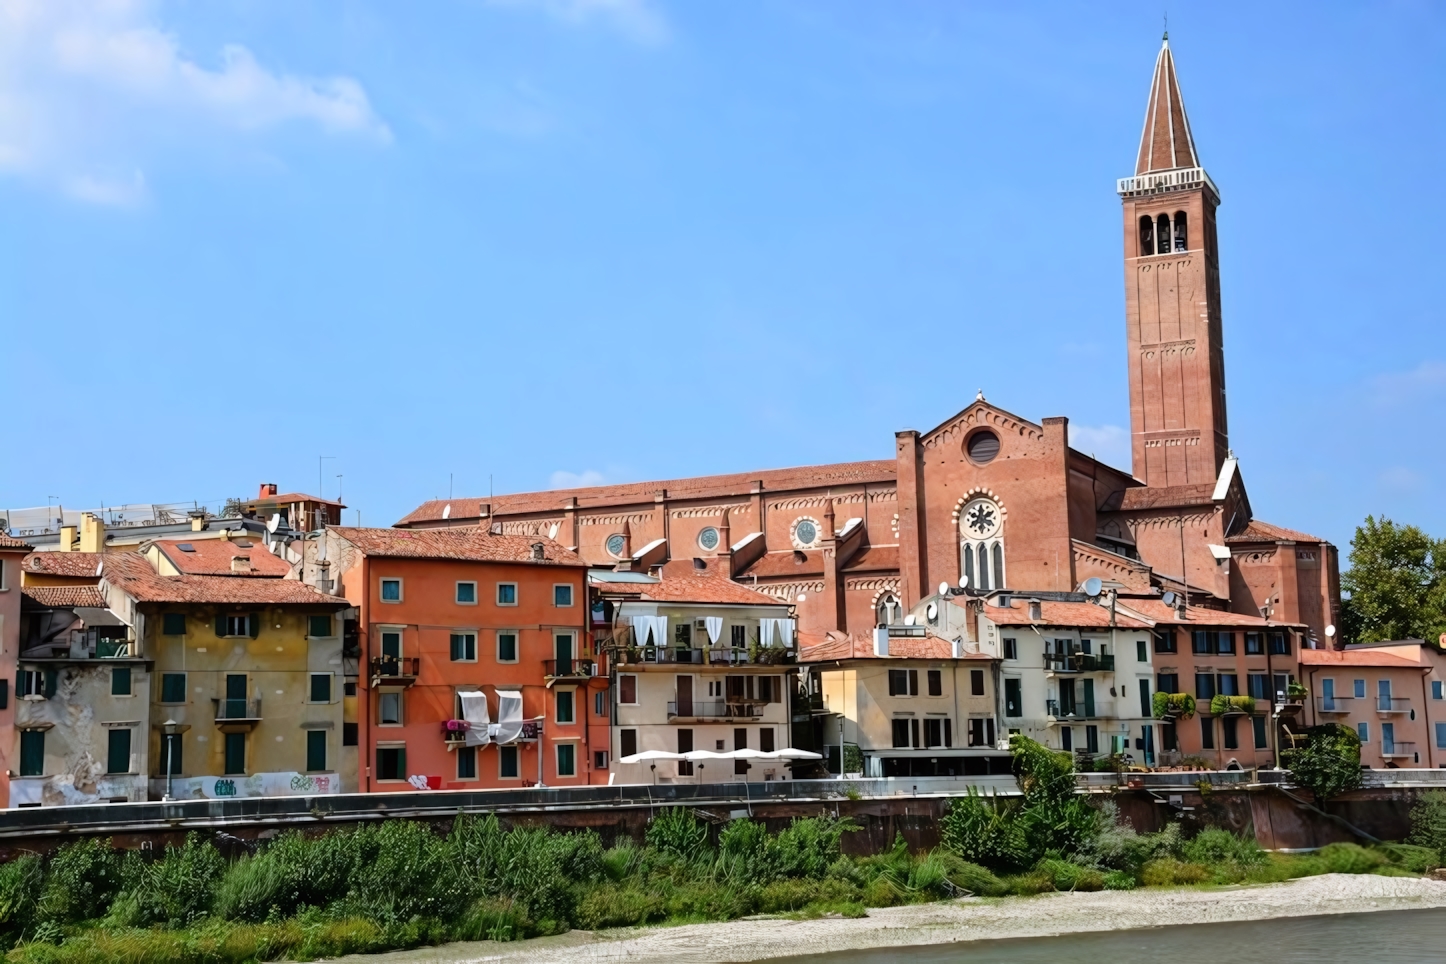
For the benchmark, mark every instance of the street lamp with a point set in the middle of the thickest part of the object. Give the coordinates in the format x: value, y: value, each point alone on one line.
x: 172, y: 730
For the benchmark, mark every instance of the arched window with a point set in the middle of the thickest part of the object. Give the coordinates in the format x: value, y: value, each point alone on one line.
x: 1147, y: 235
x: 1182, y: 241
x: 981, y: 544
x: 1162, y: 234
x: 886, y: 613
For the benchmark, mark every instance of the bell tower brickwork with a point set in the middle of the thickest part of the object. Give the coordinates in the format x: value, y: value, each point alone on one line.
x: 1172, y: 299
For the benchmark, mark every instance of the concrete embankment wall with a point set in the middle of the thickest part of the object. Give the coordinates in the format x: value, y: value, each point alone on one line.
x: 1280, y: 816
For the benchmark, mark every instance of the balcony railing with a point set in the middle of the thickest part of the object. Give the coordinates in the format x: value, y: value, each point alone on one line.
x: 1399, y: 748
x: 1078, y: 710
x: 579, y: 668
x: 1334, y: 704
x: 237, y: 711
x: 1393, y: 704
x: 1078, y: 663
x: 716, y: 710
x: 395, y: 670
x: 727, y: 656
x: 660, y: 654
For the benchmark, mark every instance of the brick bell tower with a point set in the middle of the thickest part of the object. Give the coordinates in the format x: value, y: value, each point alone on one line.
x: 1172, y: 298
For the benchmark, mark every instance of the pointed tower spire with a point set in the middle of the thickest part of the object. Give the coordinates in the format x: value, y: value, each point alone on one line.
x: 1165, y: 142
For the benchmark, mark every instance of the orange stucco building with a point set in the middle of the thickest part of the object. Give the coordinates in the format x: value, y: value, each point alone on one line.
x: 439, y: 616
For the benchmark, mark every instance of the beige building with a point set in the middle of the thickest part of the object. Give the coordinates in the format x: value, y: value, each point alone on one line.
x: 699, y: 663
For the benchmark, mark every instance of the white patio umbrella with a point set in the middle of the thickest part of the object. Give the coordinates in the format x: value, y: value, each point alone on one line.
x: 650, y: 756
x: 793, y: 753
x: 703, y: 756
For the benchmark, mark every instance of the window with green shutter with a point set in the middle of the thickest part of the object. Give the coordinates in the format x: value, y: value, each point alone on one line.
x: 118, y: 751
x: 173, y: 687
x: 235, y: 753
x: 316, y: 749
x: 319, y: 627
x: 320, y: 692
x: 120, y: 681
x: 173, y: 624
x: 32, y: 753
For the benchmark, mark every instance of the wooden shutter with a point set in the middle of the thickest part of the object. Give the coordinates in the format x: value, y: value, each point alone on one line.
x: 253, y: 625
x: 221, y: 626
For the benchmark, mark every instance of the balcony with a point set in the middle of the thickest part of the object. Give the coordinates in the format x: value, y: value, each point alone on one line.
x: 1077, y: 711
x: 716, y: 710
x: 1398, y: 750
x: 1386, y: 705
x: 569, y: 668
x: 394, y: 670
x: 237, y: 716
x: 728, y: 656
x: 1334, y: 704
x: 660, y: 654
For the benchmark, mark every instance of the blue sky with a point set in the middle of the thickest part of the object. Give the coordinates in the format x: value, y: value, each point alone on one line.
x: 608, y: 240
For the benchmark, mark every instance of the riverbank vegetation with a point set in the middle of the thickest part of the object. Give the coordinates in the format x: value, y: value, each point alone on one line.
x: 400, y: 884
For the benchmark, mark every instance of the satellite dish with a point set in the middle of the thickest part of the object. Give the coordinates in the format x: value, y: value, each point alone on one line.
x: 447, y: 511
x: 963, y: 582
x: 1093, y: 586
x: 909, y: 620
x: 1330, y: 631
x: 933, y: 611
x: 943, y: 589
x: 1168, y: 599
x: 273, y: 523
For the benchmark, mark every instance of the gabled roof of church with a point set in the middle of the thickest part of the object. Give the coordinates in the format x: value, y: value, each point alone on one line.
x: 1259, y: 531
x: 1165, y: 142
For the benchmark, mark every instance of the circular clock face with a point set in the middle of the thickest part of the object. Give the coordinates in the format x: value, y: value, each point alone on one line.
x: 805, y: 532
x: 615, y: 545
x: 708, y: 538
x: 981, y: 519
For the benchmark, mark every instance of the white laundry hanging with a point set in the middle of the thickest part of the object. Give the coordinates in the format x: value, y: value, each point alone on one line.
x: 474, y: 711
x: 765, y: 631
x: 509, y: 717
x: 715, y: 628
x: 785, y: 630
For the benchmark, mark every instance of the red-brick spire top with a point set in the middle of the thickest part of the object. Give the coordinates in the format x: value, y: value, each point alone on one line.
x: 1165, y: 143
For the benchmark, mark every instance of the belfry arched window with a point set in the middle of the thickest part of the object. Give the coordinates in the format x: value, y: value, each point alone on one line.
x: 888, y: 611
x: 1162, y: 234
x: 1147, y: 235
x: 1182, y: 241
x: 981, y: 544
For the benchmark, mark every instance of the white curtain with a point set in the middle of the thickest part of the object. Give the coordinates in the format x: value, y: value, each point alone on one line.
x: 641, y: 625
x: 474, y: 711
x: 715, y: 628
x: 509, y: 716
x: 785, y: 629
x: 765, y: 631
x: 660, y: 630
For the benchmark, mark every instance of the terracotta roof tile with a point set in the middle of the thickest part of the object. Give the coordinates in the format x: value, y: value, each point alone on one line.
x: 838, y: 646
x: 134, y: 575
x: 77, y: 565
x: 469, y: 544
x: 8, y: 541
x: 65, y: 597
x: 1156, y: 611
x: 212, y: 557
x: 1083, y: 614
x: 698, y: 487
x: 874, y: 559
x: 1165, y: 143
x: 1165, y: 497
x: 287, y: 497
x: 786, y: 563
x: 681, y: 583
x: 1259, y: 531
x: 1355, y: 657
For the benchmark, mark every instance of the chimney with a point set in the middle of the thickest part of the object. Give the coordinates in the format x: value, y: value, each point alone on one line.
x: 268, y: 489
x: 1036, y: 610
x: 198, y: 520
x: 67, y: 538
x: 881, y: 640
x: 240, y: 563
x: 538, y: 552
x: 92, y: 533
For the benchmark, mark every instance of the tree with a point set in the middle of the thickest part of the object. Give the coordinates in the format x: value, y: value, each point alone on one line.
x: 1330, y: 762
x: 1397, y: 584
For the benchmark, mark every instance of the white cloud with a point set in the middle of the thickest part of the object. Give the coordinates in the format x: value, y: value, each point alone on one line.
x: 635, y: 19
x: 1402, y: 389
x: 1401, y: 480
x: 86, y: 88
x: 576, y: 480
x: 1108, y: 443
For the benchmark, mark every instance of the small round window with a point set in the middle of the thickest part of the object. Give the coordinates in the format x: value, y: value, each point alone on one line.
x: 982, y: 447
x: 805, y: 532
x: 615, y: 545
x: 708, y: 538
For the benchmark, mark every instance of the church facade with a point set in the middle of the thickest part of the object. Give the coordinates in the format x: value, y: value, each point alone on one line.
x: 991, y: 499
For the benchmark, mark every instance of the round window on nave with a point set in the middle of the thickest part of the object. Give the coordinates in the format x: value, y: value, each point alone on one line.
x: 982, y: 446
x: 615, y: 545
x: 708, y: 538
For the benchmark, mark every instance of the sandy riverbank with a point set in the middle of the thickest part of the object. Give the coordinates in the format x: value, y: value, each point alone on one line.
x: 944, y: 923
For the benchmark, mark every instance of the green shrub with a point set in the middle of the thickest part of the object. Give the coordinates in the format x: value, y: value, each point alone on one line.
x: 1330, y: 762
x: 1418, y: 860
x: 81, y: 880
x: 808, y: 846
x: 1067, y: 876
x: 621, y: 860
x: 1215, y: 846
x: 1428, y: 822
x: 677, y: 831
x: 1118, y: 847
x: 1349, y: 858
x: 174, y: 890
x: 1027, y: 885
x: 976, y: 880
x: 20, y: 884
x: 984, y: 830
x: 407, y: 872
x: 1182, y: 705
x: 743, y: 851
x: 1167, y: 871
x: 1119, y: 880
x: 609, y: 905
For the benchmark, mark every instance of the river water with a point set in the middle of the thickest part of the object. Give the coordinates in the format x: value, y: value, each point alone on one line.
x: 1381, y: 937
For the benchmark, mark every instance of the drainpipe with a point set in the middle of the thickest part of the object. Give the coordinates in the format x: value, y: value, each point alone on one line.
x: 1426, y: 712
